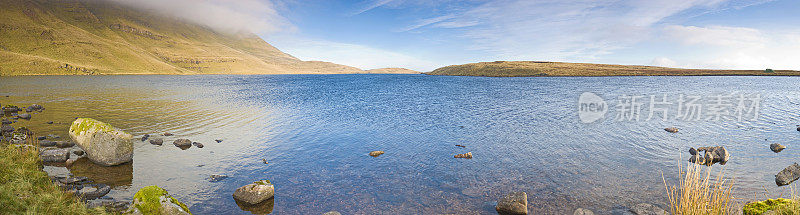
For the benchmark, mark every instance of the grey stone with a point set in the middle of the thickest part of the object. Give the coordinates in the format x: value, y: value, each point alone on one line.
x: 582, y: 211
x: 25, y: 116
x: 217, y: 177
x: 104, y: 144
x: 157, y: 141
x: 514, y: 203
x: 64, y: 144
x: 183, y: 143
x: 54, y: 155
x: 788, y: 175
x: 47, y: 143
x: 332, y: 213
x: 647, y: 209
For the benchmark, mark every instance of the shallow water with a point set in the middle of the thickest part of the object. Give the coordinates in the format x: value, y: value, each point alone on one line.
x: 316, y: 132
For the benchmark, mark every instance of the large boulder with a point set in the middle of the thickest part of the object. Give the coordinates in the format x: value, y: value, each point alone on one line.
x: 788, y: 175
x: 514, y: 203
x: 255, y: 193
x: 155, y: 200
x: 103, y: 144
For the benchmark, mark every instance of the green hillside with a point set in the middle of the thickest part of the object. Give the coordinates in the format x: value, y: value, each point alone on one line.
x: 541, y: 68
x: 91, y: 37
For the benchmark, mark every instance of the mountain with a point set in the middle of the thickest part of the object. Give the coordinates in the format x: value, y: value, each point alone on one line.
x: 75, y: 37
x: 542, y: 68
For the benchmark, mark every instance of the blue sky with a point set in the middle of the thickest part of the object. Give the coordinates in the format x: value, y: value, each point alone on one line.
x: 426, y: 34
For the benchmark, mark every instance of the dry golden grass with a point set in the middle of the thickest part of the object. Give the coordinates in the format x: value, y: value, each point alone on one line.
x: 697, y: 193
x: 540, y: 68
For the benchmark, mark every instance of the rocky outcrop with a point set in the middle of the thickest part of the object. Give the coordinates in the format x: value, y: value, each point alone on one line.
x: 255, y: 193
x: 709, y: 155
x: 788, y: 175
x: 647, y: 209
x: 103, y: 144
x: 155, y: 200
x: 776, y: 147
x: 375, y: 153
x: 515, y: 203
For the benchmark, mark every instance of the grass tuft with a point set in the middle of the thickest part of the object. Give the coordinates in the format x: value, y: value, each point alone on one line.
x: 698, y: 194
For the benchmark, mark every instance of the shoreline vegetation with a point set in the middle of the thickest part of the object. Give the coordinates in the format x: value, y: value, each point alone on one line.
x: 562, y: 69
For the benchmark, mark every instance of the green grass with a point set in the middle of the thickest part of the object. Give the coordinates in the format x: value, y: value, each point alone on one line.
x: 26, y: 189
x: 537, y: 68
x: 780, y: 206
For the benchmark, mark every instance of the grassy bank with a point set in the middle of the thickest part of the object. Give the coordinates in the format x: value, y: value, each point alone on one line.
x: 26, y: 189
x: 538, y: 68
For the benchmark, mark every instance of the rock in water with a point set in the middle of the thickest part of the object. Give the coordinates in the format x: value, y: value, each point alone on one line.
x: 671, y: 130
x: 64, y: 144
x: 158, y: 141
x: 692, y: 151
x: 332, y: 213
x: 167, y: 134
x: 154, y: 200
x: 467, y: 155
x: 255, y: 193
x: 54, y: 155
x: 103, y: 144
x: 198, y: 145
x: 145, y: 137
x: 6, y: 128
x: 647, y: 209
x: 216, y: 177
x: 218, y: 141
x: 182, y: 143
x: 513, y: 204
x: 46, y: 143
x: 775, y: 147
x: 788, y: 175
x: 375, y: 153
x: 710, y: 155
x: 25, y: 116
x: 582, y: 211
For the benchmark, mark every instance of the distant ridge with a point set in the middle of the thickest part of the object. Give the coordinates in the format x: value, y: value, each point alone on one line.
x: 91, y: 37
x: 544, y: 68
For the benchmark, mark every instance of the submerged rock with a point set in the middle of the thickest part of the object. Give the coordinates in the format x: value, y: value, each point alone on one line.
x: 467, y: 155
x: 145, y: 137
x: 513, y: 204
x: 647, y: 209
x: 54, y: 155
x: 104, y: 144
x: 41, y: 138
x: 264, y: 207
x: 462, y: 146
x: 155, y: 200
x: 93, y: 191
x: 788, y: 175
x: 375, y: 153
x: 216, y: 177
x: 183, y: 143
x: 25, y: 116
x: 671, y: 130
x: 582, y: 211
x: 64, y: 144
x: 157, y: 141
x: 47, y: 143
x: 255, y: 193
x: 775, y: 147
x: 332, y: 213
x: 167, y: 134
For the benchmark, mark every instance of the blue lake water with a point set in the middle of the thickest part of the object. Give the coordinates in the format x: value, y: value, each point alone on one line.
x: 316, y: 131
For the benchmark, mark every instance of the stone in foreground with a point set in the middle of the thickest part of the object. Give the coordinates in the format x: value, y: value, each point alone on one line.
x: 513, y: 204
x: 776, y: 147
x: 376, y: 153
x: 647, y: 209
x: 788, y: 175
x: 155, y: 200
x: 54, y: 155
x: 103, y: 144
x: 255, y: 193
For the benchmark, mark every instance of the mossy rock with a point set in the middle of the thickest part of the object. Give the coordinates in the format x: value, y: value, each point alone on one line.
x: 153, y: 200
x: 103, y: 143
x: 758, y: 208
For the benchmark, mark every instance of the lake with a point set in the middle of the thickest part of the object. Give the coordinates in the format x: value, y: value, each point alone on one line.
x: 316, y: 130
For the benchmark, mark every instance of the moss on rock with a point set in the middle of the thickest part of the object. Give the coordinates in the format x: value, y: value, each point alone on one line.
x: 84, y: 124
x: 148, y: 201
x: 758, y: 208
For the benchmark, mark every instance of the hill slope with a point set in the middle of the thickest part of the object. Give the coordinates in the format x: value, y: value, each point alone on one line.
x: 41, y: 37
x: 539, y: 68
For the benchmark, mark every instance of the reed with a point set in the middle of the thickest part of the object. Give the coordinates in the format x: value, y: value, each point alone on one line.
x: 698, y: 193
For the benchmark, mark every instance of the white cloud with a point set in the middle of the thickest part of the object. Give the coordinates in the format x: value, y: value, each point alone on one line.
x: 256, y: 16
x: 716, y: 35
x: 663, y: 61
x: 361, y: 56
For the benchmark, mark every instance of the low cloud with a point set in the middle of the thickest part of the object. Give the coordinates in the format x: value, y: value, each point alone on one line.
x: 360, y: 56
x: 255, y: 16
